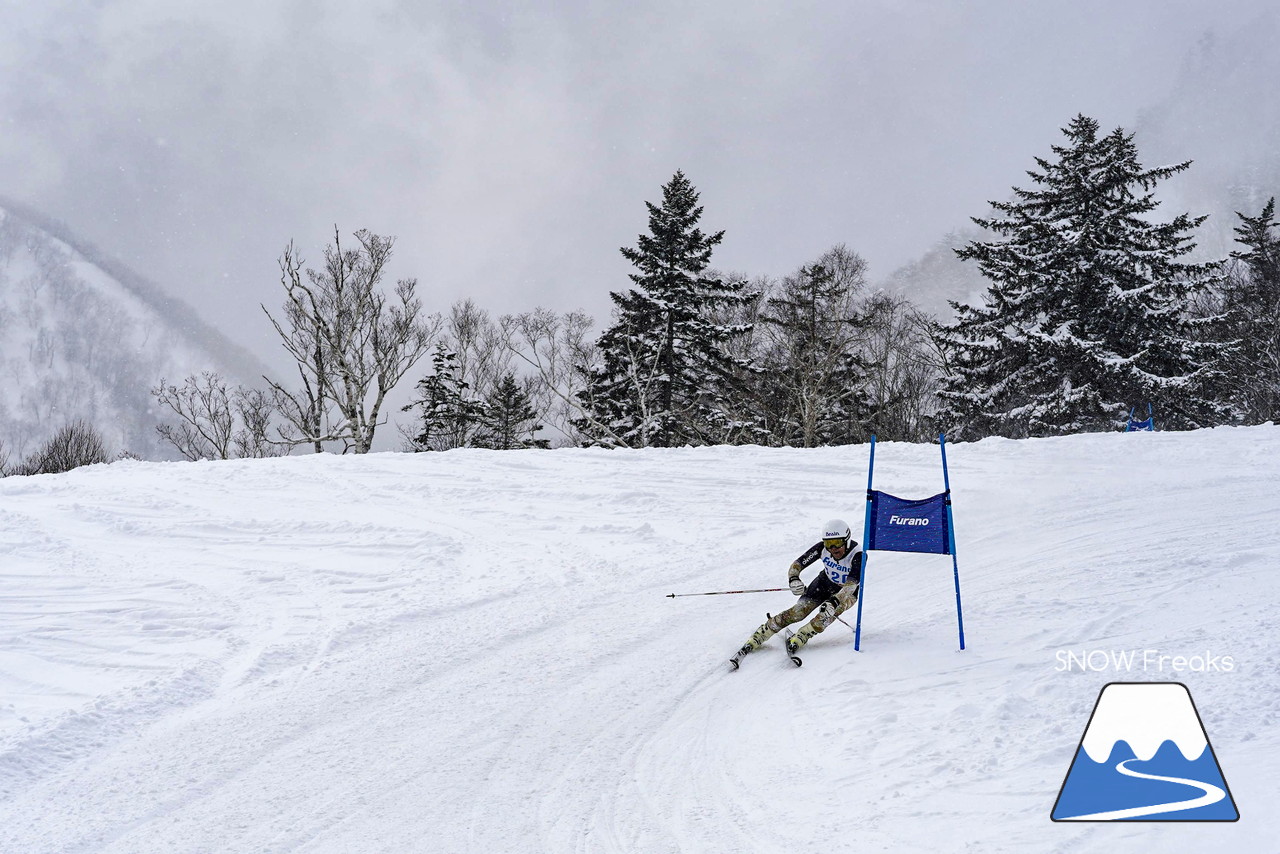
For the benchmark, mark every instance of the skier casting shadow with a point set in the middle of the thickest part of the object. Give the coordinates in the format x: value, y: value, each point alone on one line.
x: 832, y: 592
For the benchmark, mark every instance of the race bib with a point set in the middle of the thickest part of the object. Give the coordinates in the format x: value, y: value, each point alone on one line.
x: 838, y: 570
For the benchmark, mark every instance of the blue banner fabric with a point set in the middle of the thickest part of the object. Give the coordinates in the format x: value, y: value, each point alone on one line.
x: 1135, y: 425
x: 899, y: 525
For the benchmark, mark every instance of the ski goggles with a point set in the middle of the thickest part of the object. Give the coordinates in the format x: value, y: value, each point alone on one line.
x: 838, y: 543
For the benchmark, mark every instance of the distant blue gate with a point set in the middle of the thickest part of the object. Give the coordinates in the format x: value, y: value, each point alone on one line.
x: 894, y: 524
x: 1134, y: 425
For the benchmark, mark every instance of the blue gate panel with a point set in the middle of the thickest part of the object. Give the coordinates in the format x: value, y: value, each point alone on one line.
x: 899, y: 525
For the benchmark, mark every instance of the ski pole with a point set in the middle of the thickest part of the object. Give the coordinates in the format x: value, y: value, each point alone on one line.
x: 728, y: 592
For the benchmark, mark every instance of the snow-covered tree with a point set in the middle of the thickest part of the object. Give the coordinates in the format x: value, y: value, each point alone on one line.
x: 1250, y: 305
x: 509, y: 419
x: 664, y: 370
x: 449, y: 415
x: 1085, y: 315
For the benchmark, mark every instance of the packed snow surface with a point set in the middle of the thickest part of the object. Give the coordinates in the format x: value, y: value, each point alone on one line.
x: 475, y: 651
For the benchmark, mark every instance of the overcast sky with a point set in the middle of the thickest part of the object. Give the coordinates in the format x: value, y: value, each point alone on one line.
x: 511, y: 150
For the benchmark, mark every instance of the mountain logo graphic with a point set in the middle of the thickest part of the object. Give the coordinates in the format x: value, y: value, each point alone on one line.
x: 1145, y: 756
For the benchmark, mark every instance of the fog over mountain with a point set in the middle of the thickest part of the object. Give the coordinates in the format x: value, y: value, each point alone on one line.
x: 1221, y: 113
x: 938, y: 276
x: 84, y: 337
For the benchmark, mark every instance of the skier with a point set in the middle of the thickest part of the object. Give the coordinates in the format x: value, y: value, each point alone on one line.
x: 832, y: 592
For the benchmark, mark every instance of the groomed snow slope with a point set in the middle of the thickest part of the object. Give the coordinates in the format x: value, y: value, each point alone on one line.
x: 474, y: 652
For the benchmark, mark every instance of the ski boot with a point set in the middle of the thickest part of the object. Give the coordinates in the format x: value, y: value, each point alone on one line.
x: 753, y: 643
x: 799, y: 639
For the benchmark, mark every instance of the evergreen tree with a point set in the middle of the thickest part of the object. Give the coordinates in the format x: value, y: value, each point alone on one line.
x: 1251, y: 305
x: 814, y: 378
x: 449, y: 415
x: 665, y: 368
x: 509, y: 419
x: 1085, y: 315
x: 1263, y: 257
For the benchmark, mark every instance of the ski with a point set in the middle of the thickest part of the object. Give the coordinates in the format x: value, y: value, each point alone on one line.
x: 737, y: 659
x: 795, y: 659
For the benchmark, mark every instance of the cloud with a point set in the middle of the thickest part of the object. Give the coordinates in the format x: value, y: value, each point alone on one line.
x: 511, y: 150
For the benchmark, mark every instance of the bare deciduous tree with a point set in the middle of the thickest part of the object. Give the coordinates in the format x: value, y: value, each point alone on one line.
x: 351, y: 342
x: 203, y: 405
x: 254, y: 408
x: 904, y: 370
x: 813, y: 330
x: 560, y: 350
x: 77, y: 444
x: 307, y: 410
x: 217, y: 422
x: 480, y: 346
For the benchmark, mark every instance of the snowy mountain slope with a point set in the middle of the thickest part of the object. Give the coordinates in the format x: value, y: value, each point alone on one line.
x: 938, y: 276
x: 473, y: 651
x: 1220, y: 113
x: 83, y: 337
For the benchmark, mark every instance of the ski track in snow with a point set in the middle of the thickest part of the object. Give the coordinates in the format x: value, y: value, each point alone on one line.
x: 329, y: 654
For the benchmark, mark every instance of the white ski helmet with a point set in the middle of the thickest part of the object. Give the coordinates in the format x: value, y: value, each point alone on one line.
x: 836, y: 529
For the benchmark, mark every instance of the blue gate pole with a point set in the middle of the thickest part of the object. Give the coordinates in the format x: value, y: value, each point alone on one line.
x: 866, y: 539
x: 951, y: 534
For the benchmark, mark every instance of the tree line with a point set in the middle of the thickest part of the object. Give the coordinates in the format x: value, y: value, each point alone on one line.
x: 1093, y: 307
x: 693, y: 356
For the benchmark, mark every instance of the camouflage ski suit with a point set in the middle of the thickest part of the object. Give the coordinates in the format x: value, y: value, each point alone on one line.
x: 832, y: 593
